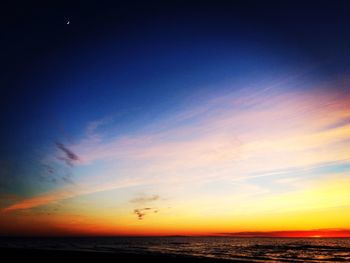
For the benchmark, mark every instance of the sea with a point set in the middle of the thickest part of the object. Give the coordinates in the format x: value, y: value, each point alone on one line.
x: 249, y: 249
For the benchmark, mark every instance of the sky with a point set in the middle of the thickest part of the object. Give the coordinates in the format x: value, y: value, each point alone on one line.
x: 175, y: 118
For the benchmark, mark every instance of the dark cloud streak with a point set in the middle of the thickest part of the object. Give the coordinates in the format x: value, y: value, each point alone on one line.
x: 142, y: 212
x: 70, y: 157
x: 144, y: 200
x: 54, y: 174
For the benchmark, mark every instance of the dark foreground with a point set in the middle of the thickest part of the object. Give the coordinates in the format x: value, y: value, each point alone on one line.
x: 175, y: 249
x: 36, y: 255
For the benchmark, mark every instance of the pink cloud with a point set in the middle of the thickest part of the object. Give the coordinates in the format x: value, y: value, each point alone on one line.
x: 227, y: 137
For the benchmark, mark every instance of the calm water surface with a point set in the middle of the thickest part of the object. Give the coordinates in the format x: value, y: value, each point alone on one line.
x: 250, y: 249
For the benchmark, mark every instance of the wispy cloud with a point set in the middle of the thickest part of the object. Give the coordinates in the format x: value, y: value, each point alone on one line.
x: 145, y: 199
x: 228, y: 138
x: 67, y: 192
x: 60, y: 173
x: 6, y: 199
x: 69, y: 156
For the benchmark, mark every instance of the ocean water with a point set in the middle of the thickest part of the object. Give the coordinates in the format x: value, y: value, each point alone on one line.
x: 250, y: 249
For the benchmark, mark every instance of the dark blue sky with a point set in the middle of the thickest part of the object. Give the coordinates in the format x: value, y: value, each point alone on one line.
x: 138, y: 60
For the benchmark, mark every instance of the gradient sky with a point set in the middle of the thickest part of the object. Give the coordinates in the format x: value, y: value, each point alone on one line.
x: 177, y: 118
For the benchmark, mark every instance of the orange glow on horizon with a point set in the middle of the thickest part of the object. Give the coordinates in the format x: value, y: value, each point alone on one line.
x: 286, y: 176
x: 330, y: 233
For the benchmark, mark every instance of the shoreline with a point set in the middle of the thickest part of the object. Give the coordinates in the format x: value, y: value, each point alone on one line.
x: 44, y: 255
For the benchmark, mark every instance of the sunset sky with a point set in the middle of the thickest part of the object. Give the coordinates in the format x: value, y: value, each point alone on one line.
x: 176, y: 119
